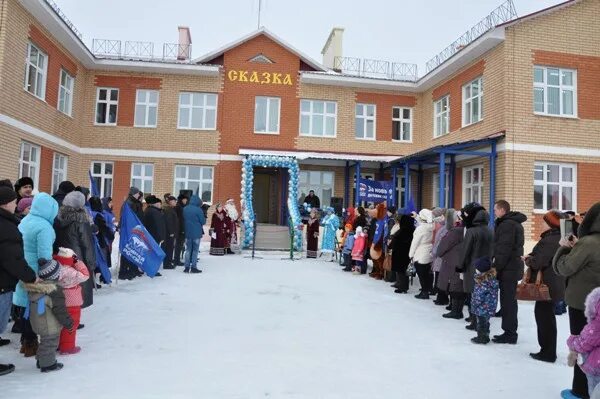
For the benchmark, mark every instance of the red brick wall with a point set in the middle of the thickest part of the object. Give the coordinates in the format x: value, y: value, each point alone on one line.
x: 46, y: 164
x: 384, y: 104
x: 588, y: 192
x: 237, y: 127
x: 127, y: 86
x: 228, y: 176
x: 588, y: 84
x: 56, y: 60
x: 453, y: 87
x: 121, y: 181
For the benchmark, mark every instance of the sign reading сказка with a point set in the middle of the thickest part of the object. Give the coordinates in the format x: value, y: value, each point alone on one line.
x: 262, y: 78
x: 375, y: 191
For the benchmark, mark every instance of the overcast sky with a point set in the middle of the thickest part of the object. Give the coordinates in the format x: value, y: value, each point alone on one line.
x: 394, y: 30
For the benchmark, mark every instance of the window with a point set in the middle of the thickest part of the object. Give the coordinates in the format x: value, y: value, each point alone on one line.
x: 365, y: 121
x: 29, y: 162
x: 102, y: 174
x: 441, y: 117
x: 266, y: 115
x: 59, y: 170
x: 321, y: 182
x: 197, y: 111
x: 400, y: 190
x: 142, y: 176
x: 473, y: 184
x: 65, y: 92
x: 436, y: 189
x: 146, y: 108
x: 195, y: 178
x: 554, y: 186
x: 35, y: 74
x: 318, y: 118
x: 401, y: 124
x: 473, y: 102
x: 554, y: 91
x: 107, y: 101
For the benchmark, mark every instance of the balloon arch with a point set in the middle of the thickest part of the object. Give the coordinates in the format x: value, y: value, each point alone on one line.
x: 269, y: 161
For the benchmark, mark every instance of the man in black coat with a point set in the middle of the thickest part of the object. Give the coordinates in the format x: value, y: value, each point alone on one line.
x: 509, y: 240
x: 312, y: 200
x: 64, y: 188
x: 172, y: 226
x: 154, y: 219
x: 13, y: 266
x: 127, y: 270
x: 180, y: 238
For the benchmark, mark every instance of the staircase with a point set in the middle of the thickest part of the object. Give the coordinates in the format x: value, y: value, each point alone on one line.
x: 271, y: 237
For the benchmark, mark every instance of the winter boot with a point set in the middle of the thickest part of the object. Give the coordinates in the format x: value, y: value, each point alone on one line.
x: 55, y: 367
x: 195, y: 270
x: 568, y: 394
x: 481, y: 338
x: 505, y: 339
x: 472, y: 322
x: 422, y: 295
x: 186, y: 270
x: 457, y: 309
x: 4, y: 342
x: 6, y: 369
x: 449, y: 307
x: 441, y: 299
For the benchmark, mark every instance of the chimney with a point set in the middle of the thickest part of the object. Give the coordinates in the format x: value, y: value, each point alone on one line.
x: 333, y: 49
x: 184, y: 49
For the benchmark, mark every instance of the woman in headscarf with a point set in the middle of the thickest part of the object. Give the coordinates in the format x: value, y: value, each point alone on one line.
x: 312, y: 234
x: 449, y: 250
x: 219, y: 231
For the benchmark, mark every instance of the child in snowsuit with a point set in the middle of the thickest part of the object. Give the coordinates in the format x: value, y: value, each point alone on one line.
x: 73, y: 272
x: 347, y: 250
x: 358, y: 251
x: 484, y: 299
x: 48, y: 313
x: 587, y: 343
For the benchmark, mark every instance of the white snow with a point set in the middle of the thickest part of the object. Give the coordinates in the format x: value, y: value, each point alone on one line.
x: 273, y: 328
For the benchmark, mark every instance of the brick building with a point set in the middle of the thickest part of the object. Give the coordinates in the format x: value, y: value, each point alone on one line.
x: 521, y: 99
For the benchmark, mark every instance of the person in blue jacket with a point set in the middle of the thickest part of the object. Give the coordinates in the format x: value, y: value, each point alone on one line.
x: 38, y: 238
x: 194, y: 221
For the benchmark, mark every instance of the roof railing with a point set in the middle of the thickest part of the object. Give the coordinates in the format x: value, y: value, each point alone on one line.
x: 62, y: 16
x: 108, y: 48
x: 376, y: 68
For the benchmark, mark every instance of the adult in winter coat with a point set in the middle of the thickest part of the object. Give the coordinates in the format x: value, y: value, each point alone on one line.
x: 420, y: 252
x: 439, y: 231
x: 12, y: 264
x: 64, y: 188
x: 134, y: 200
x: 312, y: 234
x: 361, y: 218
x: 219, y: 231
x: 24, y: 188
x: 450, y: 251
x: 73, y: 230
x: 38, y: 238
x: 312, y: 200
x: 350, y: 216
x: 105, y: 234
x: 477, y: 244
x: 172, y: 226
x: 154, y: 219
x: 540, y: 261
x: 400, y: 244
x: 182, y: 201
x: 579, y: 261
x: 509, y: 240
x: 194, y: 224
x: 109, y: 216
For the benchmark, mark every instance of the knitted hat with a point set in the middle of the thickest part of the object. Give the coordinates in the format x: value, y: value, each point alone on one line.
x: 23, y: 181
x: 152, y: 199
x: 24, y: 203
x: 483, y: 264
x: 7, y: 194
x: 552, y: 219
x: 359, y: 230
x: 74, y: 199
x: 49, y: 269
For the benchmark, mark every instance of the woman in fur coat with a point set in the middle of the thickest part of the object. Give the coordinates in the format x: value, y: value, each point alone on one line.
x: 312, y: 235
x: 219, y: 231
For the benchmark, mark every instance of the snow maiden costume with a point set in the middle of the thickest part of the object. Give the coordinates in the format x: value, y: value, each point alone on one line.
x: 331, y: 222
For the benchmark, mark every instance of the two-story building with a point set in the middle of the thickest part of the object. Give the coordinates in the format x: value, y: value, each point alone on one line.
x: 511, y: 113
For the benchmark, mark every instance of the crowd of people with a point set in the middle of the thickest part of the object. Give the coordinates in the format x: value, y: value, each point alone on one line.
x: 52, y: 249
x: 467, y: 265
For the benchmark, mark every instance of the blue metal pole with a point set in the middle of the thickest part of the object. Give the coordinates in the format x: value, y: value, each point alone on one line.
x: 346, y: 185
x: 395, y: 185
x: 442, y: 180
x: 420, y: 187
x: 406, y: 183
x: 357, y: 184
x: 492, y: 181
x: 452, y: 180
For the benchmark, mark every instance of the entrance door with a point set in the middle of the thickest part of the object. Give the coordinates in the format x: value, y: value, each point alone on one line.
x: 265, y: 195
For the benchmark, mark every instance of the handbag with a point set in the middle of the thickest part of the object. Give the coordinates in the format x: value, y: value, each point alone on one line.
x: 387, y: 261
x: 537, y: 291
x: 411, y: 270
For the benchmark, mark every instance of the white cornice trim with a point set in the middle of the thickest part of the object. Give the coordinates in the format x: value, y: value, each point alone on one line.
x: 196, y: 156
x: 549, y: 149
x: 34, y: 131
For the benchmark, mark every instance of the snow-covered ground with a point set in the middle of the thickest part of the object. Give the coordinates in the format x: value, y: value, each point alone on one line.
x: 272, y: 328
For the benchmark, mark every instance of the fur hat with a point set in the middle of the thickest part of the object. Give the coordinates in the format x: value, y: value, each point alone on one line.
x: 152, y: 199
x: 23, y: 181
x: 49, y: 269
x: 24, y: 203
x: 75, y: 199
x: 66, y: 187
x: 7, y: 194
x: 552, y: 219
x: 483, y: 264
x: 6, y: 183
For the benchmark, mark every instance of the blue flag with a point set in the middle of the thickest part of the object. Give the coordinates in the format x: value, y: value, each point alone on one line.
x: 101, y: 262
x: 93, y: 186
x: 137, y: 245
x: 410, y: 207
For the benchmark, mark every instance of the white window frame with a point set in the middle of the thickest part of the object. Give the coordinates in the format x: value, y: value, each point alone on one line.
x: 43, y: 71
x: 268, y: 114
x: 402, y: 122
x: 68, y: 89
x: 103, y: 177
x: 59, y: 174
x: 544, y: 182
x: 467, y: 102
x: 364, y: 119
x: 437, y: 130
x: 147, y: 104
x: 203, y: 106
x: 311, y: 114
x: 304, y: 175
x: 466, y: 185
x: 30, y: 163
x: 561, y: 87
x: 186, y: 180
x: 400, y: 190
x: 142, y: 177
x: 436, y: 188
x: 108, y: 102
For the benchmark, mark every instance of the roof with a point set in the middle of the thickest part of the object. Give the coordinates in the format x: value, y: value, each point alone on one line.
x: 539, y: 13
x: 262, y: 31
x: 302, y: 155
